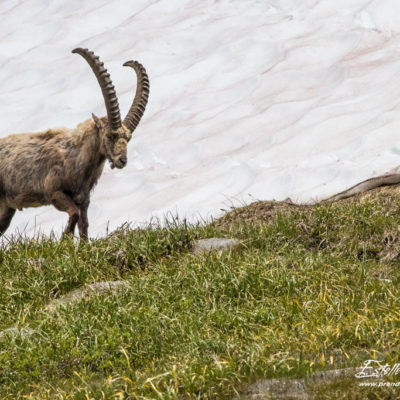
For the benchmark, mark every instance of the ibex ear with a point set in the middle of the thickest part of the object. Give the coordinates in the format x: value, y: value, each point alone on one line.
x: 97, y: 121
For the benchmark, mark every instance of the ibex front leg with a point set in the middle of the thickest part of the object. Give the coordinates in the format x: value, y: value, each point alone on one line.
x: 63, y: 202
x: 83, y: 222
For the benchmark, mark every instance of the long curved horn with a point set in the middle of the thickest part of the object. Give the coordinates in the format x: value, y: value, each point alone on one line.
x: 107, y: 87
x: 138, y: 106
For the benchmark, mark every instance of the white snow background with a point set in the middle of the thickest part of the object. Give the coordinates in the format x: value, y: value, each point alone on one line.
x: 249, y: 99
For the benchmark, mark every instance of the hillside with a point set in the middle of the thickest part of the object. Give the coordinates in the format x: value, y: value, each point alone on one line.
x: 309, y: 288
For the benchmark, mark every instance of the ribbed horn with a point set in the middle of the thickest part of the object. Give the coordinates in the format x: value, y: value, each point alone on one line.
x: 138, y: 106
x: 107, y: 87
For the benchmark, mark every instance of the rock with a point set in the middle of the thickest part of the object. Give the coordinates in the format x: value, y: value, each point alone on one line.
x: 15, y: 332
x: 203, y: 245
x: 277, y: 389
x: 385, y: 280
x: 36, y: 263
x: 120, y: 257
x: 331, y: 375
x: 79, y: 293
x: 286, y: 388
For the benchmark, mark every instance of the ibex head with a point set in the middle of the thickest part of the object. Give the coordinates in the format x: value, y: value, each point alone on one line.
x: 115, y: 134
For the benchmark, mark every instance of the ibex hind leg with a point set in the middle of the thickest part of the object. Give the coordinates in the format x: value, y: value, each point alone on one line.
x: 6, y: 215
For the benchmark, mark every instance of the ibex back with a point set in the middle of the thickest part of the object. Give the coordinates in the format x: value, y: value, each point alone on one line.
x: 61, y: 166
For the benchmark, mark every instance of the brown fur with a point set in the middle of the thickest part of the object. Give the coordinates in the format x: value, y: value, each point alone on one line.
x: 61, y: 166
x: 58, y: 167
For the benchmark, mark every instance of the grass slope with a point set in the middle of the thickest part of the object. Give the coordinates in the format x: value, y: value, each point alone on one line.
x: 311, y: 288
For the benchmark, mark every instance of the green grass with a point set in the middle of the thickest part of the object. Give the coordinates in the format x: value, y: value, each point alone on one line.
x: 307, y: 290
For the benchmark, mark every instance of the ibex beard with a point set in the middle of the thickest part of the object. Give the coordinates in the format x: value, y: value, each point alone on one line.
x: 61, y: 166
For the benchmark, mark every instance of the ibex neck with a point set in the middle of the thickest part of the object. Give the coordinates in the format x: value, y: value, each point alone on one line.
x: 89, y: 161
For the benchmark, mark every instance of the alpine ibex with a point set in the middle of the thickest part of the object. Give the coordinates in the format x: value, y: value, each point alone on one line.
x: 61, y: 166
